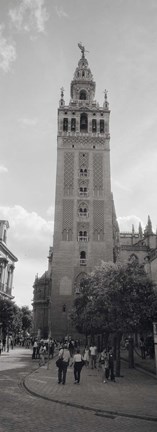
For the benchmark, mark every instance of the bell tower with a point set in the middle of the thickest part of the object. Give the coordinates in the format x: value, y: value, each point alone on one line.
x: 83, y: 225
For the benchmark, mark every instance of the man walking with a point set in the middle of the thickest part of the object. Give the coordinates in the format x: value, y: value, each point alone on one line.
x: 64, y: 355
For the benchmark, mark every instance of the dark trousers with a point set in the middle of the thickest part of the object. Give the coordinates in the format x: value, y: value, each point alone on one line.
x: 93, y: 361
x: 62, y: 372
x: 112, y: 372
x: 77, y: 371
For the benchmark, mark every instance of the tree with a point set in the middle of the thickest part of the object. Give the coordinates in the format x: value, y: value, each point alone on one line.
x: 6, y: 315
x: 26, y: 316
x: 115, y: 299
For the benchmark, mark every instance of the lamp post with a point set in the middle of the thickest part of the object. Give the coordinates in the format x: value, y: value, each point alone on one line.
x: 0, y: 330
x: 155, y: 342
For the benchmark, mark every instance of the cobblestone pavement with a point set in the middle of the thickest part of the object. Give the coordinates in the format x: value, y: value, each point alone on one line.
x: 19, y: 410
x: 133, y: 394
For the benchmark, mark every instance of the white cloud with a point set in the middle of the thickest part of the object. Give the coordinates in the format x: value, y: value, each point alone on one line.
x: 3, y: 169
x: 29, y: 235
x: 25, y: 121
x: 29, y: 15
x: 7, y: 52
x: 61, y: 12
x: 126, y: 222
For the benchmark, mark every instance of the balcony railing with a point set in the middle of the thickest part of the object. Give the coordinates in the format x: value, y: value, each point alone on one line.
x: 82, y: 214
x: 82, y: 238
x: 83, y: 193
x: 83, y: 174
x: 83, y: 261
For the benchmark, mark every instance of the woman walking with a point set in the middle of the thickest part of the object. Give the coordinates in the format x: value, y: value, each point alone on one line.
x: 86, y: 356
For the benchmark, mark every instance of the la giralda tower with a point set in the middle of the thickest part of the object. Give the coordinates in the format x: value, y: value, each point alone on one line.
x: 83, y: 225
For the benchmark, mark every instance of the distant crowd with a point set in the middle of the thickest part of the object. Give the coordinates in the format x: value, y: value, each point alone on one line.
x: 70, y: 353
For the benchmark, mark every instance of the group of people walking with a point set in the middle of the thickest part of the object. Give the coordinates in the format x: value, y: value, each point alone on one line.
x: 89, y: 357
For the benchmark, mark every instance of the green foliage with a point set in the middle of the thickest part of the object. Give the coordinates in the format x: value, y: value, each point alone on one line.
x: 6, y: 315
x: 26, y: 319
x: 14, y: 319
x: 115, y: 299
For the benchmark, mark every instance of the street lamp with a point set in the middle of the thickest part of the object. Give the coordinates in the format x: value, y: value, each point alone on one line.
x: 155, y: 342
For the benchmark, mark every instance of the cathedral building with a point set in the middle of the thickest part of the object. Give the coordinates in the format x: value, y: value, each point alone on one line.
x: 85, y: 227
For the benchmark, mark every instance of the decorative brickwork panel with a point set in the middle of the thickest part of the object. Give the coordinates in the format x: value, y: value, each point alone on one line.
x: 83, y: 159
x: 68, y: 207
x: 68, y: 171
x: 98, y: 171
x: 98, y: 216
x: 83, y: 140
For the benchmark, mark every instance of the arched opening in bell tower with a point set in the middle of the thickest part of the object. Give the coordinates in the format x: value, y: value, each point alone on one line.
x: 83, y: 95
x: 83, y: 123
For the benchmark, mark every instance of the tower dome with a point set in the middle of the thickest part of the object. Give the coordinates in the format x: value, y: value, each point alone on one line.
x: 82, y: 85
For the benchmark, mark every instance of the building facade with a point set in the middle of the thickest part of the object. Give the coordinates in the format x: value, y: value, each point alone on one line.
x: 7, y: 263
x: 86, y: 231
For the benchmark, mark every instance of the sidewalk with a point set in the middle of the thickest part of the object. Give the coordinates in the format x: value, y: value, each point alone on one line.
x: 147, y: 364
x: 134, y: 394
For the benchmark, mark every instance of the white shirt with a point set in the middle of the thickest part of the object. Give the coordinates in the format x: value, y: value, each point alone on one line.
x: 93, y: 350
x: 77, y: 358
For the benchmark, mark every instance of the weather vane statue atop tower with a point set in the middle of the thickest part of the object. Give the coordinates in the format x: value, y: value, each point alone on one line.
x: 82, y: 48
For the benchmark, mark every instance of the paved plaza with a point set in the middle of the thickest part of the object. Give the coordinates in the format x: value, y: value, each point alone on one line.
x: 127, y: 405
x: 133, y: 394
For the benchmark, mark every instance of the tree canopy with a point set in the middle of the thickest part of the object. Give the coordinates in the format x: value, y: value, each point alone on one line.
x: 14, y: 319
x: 115, y: 299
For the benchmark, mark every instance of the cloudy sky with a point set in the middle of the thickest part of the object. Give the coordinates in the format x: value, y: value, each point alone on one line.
x: 38, y: 55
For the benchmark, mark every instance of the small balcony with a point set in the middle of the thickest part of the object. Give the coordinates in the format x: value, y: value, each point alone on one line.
x: 83, y: 214
x: 83, y: 262
x: 83, y: 193
x: 82, y: 238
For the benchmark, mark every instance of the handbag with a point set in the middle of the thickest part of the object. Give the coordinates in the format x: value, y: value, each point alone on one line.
x: 59, y: 362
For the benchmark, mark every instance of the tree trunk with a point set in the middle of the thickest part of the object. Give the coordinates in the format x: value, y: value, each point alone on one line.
x: 115, y: 347
x: 131, y: 353
x: 118, y: 362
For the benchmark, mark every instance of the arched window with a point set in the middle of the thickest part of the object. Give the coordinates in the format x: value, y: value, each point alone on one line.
x: 83, y: 210
x: 65, y: 125
x: 83, y: 190
x: 101, y: 126
x: 83, y: 236
x: 84, y: 122
x: 83, y: 95
x: 73, y: 124
x: 82, y: 258
x: 94, y: 125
